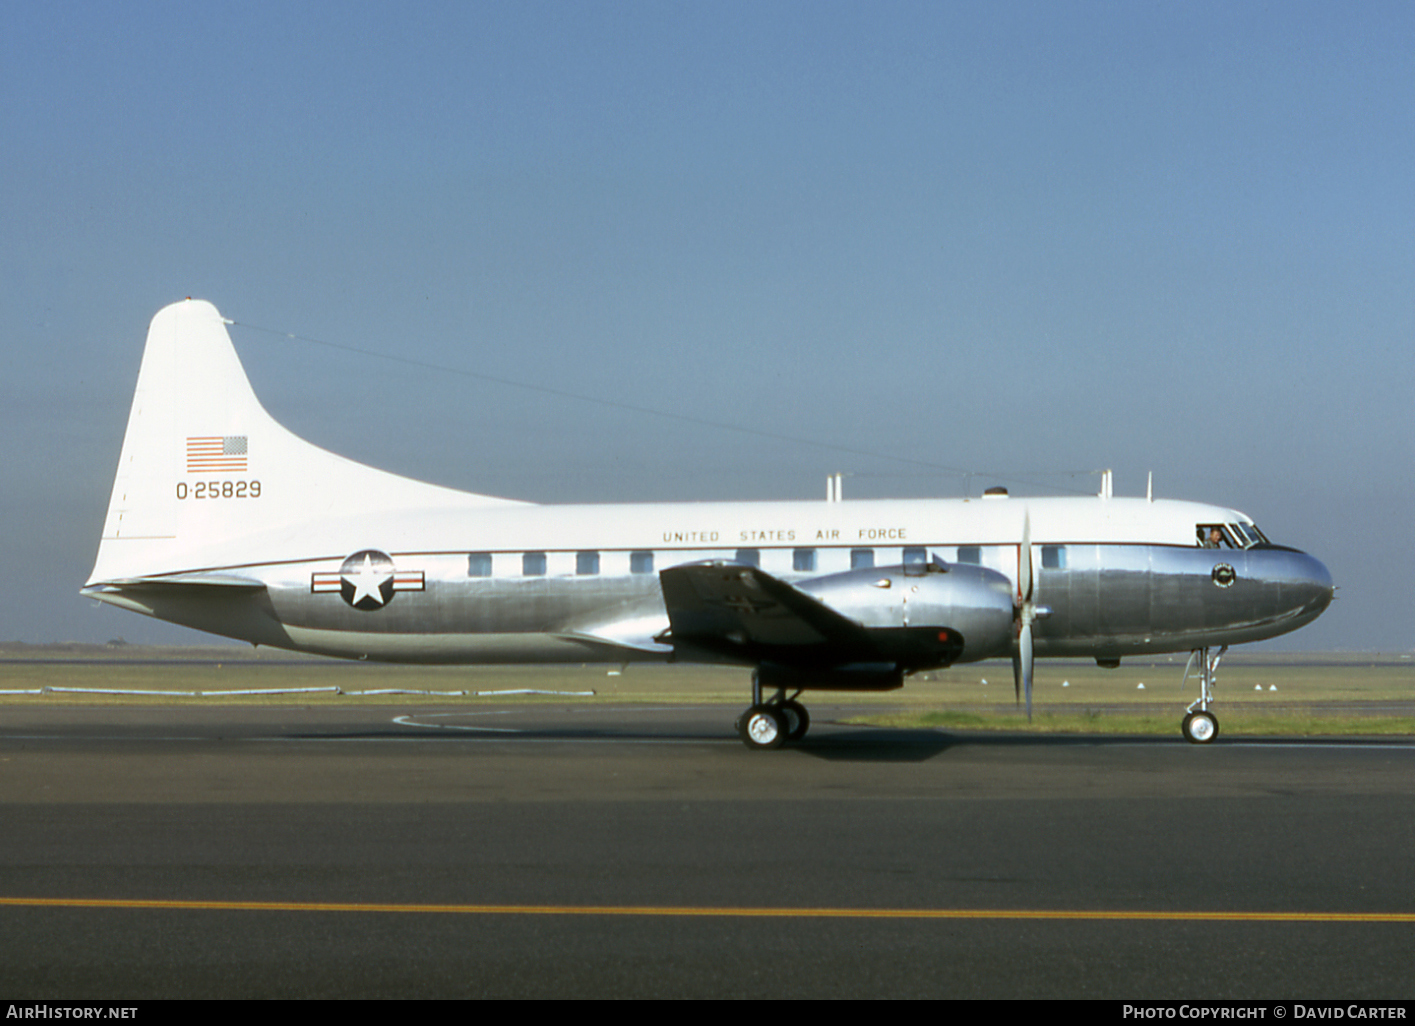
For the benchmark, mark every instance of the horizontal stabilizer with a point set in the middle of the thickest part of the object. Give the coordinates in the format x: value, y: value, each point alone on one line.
x: 189, y: 580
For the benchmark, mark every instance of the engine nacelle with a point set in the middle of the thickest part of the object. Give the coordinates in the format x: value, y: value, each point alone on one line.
x: 968, y: 600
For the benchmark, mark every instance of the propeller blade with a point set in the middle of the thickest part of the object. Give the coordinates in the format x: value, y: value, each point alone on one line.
x: 1026, y: 612
x: 1024, y: 658
x: 1017, y: 671
x: 1024, y: 560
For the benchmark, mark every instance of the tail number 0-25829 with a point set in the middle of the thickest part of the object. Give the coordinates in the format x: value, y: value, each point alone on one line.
x: 219, y: 490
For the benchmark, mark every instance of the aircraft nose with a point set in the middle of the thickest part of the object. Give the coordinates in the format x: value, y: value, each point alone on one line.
x: 1306, y: 585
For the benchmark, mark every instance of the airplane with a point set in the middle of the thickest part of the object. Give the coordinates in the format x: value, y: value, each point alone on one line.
x: 224, y: 521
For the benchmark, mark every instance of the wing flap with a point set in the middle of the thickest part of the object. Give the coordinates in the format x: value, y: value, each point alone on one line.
x: 633, y: 625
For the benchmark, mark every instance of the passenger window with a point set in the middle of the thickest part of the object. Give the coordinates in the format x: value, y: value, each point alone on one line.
x: 479, y: 564
x: 641, y: 562
x: 533, y: 564
x: 1053, y: 557
x: 751, y: 557
x: 970, y: 554
x: 803, y: 560
x: 586, y: 563
x: 862, y: 559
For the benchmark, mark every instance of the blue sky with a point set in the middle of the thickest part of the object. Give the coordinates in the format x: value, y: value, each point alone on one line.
x: 1022, y: 239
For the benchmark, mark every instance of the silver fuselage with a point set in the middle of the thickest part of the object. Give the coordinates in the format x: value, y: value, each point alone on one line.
x: 1108, y: 600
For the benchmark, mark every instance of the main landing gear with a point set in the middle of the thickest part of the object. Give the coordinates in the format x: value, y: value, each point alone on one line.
x: 1200, y: 725
x: 771, y: 723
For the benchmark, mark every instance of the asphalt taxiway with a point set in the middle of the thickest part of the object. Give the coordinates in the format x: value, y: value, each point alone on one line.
x: 588, y: 850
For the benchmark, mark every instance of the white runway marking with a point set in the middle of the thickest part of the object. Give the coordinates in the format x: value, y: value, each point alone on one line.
x: 410, y: 720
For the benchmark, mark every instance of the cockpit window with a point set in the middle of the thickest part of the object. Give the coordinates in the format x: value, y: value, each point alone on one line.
x: 1250, y: 534
x: 1213, y: 536
x: 1228, y: 536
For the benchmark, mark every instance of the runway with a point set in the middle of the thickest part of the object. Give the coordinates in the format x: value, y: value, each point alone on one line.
x: 584, y: 850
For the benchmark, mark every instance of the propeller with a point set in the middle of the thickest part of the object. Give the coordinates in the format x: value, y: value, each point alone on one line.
x: 1026, y: 612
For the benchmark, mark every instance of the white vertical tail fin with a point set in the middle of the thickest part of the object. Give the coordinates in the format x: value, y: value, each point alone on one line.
x: 204, y: 467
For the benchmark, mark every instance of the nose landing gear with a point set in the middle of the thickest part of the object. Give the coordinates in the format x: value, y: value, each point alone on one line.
x: 1200, y: 725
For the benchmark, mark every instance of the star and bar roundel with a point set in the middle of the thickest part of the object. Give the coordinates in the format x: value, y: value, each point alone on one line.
x: 367, y: 580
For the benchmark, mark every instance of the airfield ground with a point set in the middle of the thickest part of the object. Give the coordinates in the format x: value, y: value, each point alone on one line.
x: 626, y: 844
x: 1257, y: 693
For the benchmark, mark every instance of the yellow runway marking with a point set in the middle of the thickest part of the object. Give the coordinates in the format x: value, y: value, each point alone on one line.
x: 726, y: 912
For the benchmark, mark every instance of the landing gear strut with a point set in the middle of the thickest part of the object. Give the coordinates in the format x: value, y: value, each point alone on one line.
x: 771, y: 723
x: 1200, y: 725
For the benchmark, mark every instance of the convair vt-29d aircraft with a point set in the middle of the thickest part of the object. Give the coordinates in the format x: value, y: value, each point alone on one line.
x: 224, y: 521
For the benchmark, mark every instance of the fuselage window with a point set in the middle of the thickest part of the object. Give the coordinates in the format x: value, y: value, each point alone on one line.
x: 586, y: 563
x: 970, y: 554
x: 751, y: 557
x: 862, y: 559
x: 533, y: 564
x: 803, y: 560
x: 641, y: 562
x: 915, y: 558
x: 479, y: 564
x: 1053, y: 557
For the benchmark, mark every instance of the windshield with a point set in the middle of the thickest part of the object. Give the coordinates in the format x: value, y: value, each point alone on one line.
x: 1251, y: 535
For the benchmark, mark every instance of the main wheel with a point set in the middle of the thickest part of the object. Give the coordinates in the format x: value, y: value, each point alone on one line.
x: 761, y: 726
x: 798, y: 721
x: 1200, y: 727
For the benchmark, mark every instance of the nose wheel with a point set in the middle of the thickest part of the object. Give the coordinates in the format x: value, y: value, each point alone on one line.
x: 1200, y: 725
x: 1200, y: 728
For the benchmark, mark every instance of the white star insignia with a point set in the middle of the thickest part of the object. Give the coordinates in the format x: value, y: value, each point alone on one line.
x: 367, y: 582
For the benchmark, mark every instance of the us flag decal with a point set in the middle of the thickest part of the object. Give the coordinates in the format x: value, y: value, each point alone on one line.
x: 216, y: 454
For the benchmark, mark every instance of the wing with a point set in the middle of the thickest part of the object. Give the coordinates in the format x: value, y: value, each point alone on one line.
x: 740, y: 614
x: 631, y: 627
